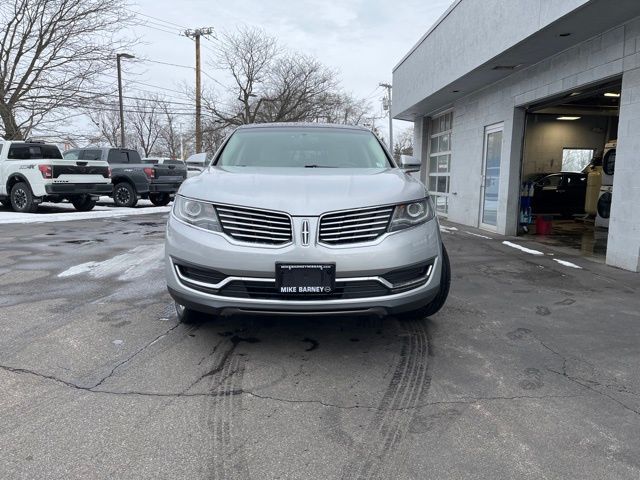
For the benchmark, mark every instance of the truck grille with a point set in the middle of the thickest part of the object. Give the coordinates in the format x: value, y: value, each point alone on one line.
x: 355, y: 225
x: 255, y: 226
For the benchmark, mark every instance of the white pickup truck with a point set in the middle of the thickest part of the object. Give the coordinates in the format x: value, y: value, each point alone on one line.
x: 35, y: 172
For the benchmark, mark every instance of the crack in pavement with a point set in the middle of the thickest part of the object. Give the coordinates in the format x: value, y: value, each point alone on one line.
x: 583, y: 383
x: 131, y: 357
x: 465, y: 400
x: 586, y: 383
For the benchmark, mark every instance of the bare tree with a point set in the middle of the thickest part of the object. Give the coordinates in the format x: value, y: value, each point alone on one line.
x: 403, y: 144
x: 299, y: 88
x: 268, y: 84
x: 247, y: 56
x: 51, y: 54
x: 170, y: 132
x: 145, y: 121
x: 347, y: 109
x: 107, y: 121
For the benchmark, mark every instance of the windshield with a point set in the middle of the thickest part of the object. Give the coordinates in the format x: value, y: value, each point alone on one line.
x: 303, y: 148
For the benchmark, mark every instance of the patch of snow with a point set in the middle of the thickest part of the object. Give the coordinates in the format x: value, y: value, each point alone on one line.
x: 523, y: 249
x: 445, y: 229
x: 567, y: 264
x: 98, y: 212
x: 131, y: 265
x: 478, y: 235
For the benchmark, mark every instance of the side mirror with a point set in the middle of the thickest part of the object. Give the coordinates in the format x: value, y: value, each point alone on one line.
x: 407, y: 161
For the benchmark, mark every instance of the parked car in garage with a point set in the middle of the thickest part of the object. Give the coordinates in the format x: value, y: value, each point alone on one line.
x: 35, y: 172
x: 132, y: 178
x: 295, y: 219
x: 561, y: 193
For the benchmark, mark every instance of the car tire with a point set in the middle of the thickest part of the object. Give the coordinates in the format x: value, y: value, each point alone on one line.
x: 124, y: 195
x: 159, y: 199
x: 83, y: 203
x: 438, y: 302
x: 186, y: 315
x: 22, y: 198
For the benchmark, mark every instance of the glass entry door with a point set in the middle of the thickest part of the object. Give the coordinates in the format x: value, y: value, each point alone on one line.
x: 491, y: 176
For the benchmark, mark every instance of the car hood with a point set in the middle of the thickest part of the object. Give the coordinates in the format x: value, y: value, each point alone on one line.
x: 303, y: 191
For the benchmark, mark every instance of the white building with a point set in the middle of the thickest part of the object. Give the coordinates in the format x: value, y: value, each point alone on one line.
x: 499, y: 89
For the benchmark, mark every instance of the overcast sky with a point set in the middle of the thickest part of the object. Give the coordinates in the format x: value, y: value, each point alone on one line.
x: 362, y: 39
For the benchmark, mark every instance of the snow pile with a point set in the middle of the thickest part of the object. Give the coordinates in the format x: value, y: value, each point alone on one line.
x: 567, y: 264
x: 523, y: 249
x: 97, y: 212
x: 128, y: 266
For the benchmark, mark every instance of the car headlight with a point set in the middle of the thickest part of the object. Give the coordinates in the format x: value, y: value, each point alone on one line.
x: 198, y: 214
x: 410, y: 214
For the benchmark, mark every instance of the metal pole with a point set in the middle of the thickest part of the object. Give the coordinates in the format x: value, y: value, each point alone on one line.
x: 198, y: 96
x: 120, y: 100
x: 388, y: 87
x: 196, y: 34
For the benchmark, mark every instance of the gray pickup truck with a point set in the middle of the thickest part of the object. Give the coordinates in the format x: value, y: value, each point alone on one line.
x: 132, y: 178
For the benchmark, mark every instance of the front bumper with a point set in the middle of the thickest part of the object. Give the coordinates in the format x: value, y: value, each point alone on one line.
x: 364, y: 262
x: 78, y: 189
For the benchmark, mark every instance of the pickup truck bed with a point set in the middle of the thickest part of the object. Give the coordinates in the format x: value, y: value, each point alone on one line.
x: 33, y: 172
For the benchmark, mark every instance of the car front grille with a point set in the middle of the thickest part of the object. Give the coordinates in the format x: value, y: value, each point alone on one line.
x: 255, y: 226
x: 354, y: 226
x: 268, y: 291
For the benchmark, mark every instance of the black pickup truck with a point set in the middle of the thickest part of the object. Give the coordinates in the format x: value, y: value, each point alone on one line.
x: 132, y: 178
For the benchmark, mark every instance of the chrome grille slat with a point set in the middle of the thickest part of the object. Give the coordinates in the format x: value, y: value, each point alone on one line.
x: 255, y: 226
x: 241, y: 211
x: 354, y: 226
x: 359, y: 213
x: 246, y: 224
x: 379, y: 222
x: 254, y: 230
x: 250, y: 219
x: 344, y: 233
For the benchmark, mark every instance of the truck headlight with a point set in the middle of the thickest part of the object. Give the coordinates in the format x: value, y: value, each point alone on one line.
x: 410, y: 214
x: 198, y: 214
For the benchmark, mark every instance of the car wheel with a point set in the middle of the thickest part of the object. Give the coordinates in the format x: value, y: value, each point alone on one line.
x: 159, y: 199
x: 186, y: 315
x: 83, y: 203
x: 22, y: 198
x: 438, y: 302
x: 124, y: 195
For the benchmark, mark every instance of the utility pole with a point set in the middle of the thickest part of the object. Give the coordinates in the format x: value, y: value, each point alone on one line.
x: 118, y: 57
x: 195, y: 35
x: 387, y: 107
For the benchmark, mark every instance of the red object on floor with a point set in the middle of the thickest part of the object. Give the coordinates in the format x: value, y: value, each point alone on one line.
x: 543, y: 225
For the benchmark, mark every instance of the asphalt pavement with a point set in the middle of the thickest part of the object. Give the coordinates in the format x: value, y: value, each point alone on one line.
x: 531, y: 371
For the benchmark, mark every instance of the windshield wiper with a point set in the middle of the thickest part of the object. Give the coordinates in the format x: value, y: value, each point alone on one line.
x: 319, y: 166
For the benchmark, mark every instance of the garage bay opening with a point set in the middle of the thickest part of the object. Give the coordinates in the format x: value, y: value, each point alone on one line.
x: 568, y: 167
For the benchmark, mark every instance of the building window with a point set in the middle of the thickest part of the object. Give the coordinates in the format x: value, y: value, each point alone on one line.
x: 576, y: 159
x: 440, y: 161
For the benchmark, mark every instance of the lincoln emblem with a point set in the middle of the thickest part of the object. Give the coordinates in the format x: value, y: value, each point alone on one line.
x: 305, y: 233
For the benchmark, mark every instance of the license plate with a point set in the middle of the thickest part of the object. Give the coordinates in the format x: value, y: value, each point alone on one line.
x: 305, y: 278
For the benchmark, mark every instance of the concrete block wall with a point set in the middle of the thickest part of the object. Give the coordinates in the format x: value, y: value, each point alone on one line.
x: 605, y: 57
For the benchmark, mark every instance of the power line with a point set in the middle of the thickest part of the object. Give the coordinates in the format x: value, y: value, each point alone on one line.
x: 159, y: 19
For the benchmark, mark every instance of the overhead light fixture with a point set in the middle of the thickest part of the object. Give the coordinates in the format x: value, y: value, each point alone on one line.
x: 569, y: 118
x: 575, y: 94
x: 566, y: 34
x: 612, y: 95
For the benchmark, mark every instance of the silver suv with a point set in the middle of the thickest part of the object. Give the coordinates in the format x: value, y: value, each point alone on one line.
x: 305, y: 219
